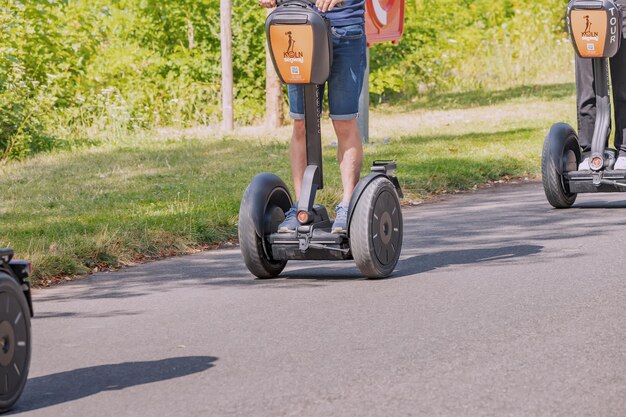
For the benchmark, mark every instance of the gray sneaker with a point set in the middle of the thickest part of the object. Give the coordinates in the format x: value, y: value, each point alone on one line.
x: 620, y: 164
x: 341, y: 220
x: 584, y: 165
x: 290, y: 224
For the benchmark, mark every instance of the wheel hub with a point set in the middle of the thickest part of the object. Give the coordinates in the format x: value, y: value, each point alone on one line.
x: 7, y: 343
x: 386, y: 228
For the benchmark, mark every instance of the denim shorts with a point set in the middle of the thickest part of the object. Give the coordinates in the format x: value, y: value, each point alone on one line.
x: 346, y: 76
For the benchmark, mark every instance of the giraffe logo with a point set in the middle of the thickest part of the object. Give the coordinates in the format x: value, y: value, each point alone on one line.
x: 587, y: 24
x: 588, y: 34
x: 291, y: 42
x: 291, y: 55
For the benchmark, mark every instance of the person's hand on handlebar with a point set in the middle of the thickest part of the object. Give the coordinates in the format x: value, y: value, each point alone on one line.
x: 267, y: 3
x: 326, y: 5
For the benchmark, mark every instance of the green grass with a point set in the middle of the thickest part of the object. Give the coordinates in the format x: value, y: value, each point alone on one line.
x: 438, y: 164
x: 109, y: 205
x: 485, y: 97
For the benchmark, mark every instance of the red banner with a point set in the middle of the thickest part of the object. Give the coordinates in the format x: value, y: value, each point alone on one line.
x: 384, y: 21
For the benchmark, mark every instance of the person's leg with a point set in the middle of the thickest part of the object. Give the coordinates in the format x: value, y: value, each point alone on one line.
x: 344, y: 89
x: 585, y: 106
x: 618, y: 79
x: 349, y: 154
x: 297, y: 153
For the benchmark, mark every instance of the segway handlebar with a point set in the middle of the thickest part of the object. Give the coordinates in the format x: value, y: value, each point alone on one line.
x: 303, y: 3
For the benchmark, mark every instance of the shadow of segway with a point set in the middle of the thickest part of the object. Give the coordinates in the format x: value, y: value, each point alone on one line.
x: 429, y: 262
x: 63, y: 387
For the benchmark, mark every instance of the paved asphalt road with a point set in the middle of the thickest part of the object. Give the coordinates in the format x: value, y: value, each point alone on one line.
x: 501, y: 306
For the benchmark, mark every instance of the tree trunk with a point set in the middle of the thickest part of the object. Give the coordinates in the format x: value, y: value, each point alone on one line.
x: 191, y: 34
x: 274, y: 112
x: 227, y: 65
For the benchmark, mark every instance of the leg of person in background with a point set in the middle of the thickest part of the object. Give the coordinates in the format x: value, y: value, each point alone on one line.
x: 618, y: 79
x: 585, y: 106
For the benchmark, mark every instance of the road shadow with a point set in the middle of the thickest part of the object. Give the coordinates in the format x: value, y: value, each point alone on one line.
x: 604, y: 204
x: 347, y: 271
x: 71, y: 314
x: 429, y: 262
x: 63, y: 387
x: 337, y: 271
x: 301, y: 277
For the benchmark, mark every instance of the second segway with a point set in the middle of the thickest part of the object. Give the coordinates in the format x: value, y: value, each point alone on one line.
x: 595, y: 28
x: 301, y: 49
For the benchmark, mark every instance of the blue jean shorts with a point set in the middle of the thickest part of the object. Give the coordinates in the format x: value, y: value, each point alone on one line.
x: 346, y: 76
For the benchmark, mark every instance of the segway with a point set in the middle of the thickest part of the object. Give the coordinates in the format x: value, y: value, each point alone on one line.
x: 16, y: 309
x: 301, y: 50
x: 595, y: 28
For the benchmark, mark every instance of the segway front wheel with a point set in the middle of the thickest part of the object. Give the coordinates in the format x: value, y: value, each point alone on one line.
x: 376, y: 230
x: 556, y: 191
x: 262, y: 209
x: 15, y: 342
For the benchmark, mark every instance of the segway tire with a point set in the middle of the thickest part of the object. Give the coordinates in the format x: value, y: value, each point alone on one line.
x: 15, y: 341
x: 261, y: 202
x: 556, y: 193
x: 376, y: 230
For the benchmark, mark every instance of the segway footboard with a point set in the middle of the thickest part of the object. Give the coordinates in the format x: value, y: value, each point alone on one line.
x: 321, y: 246
x: 312, y: 242
x: 589, y: 182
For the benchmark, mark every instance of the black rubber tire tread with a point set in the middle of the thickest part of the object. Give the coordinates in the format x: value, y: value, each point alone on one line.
x: 10, y: 289
x: 361, y: 231
x: 557, y: 196
x: 251, y: 244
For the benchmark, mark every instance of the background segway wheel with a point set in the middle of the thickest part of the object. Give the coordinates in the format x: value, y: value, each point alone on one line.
x: 15, y: 342
x: 376, y: 230
x: 265, y: 198
x: 553, y: 185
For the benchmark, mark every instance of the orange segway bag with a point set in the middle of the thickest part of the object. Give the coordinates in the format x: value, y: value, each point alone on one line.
x: 299, y: 42
x: 595, y: 27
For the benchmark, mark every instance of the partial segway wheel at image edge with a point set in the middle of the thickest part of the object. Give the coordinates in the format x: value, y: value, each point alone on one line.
x: 374, y: 234
x: 15, y: 332
x: 595, y: 28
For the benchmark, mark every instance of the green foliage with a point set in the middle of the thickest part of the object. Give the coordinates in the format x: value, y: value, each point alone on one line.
x: 101, y: 68
x: 86, y: 70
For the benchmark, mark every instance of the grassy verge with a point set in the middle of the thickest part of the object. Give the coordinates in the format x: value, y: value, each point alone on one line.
x: 105, y: 206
